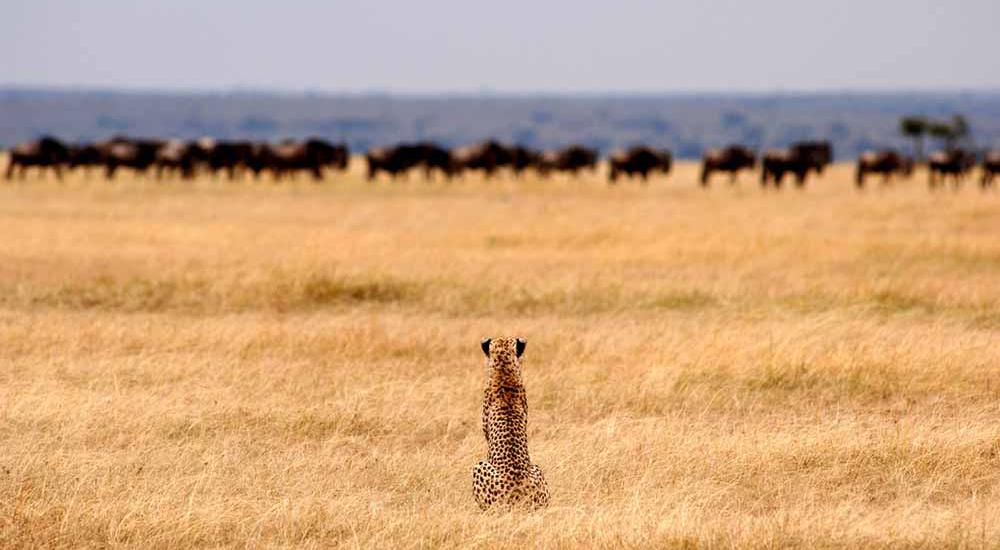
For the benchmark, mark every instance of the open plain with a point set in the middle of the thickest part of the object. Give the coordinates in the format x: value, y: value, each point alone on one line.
x: 217, y: 363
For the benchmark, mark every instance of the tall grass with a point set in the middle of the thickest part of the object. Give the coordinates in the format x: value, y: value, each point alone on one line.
x: 251, y: 364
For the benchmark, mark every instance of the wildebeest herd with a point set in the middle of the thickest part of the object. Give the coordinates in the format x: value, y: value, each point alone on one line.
x: 236, y: 159
x: 181, y: 158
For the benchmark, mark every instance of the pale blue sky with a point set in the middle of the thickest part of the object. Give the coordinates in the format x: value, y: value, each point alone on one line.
x: 503, y: 45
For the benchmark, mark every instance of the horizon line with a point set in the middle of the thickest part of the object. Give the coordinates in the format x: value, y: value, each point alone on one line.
x: 8, y: 87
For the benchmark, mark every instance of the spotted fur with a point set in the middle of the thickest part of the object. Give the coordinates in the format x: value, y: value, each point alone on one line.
x: 507, y: 478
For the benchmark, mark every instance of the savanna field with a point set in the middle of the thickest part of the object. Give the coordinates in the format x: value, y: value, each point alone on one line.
x: 208, y: 363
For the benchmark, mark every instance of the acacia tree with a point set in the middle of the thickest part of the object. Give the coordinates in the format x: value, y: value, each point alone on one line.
x: 915, y: 128
x: 952, y: 132
x: 960, y: 130
x: 944, y: 132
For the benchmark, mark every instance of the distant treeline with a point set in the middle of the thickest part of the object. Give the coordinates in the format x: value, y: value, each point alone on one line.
x: 688, y: 125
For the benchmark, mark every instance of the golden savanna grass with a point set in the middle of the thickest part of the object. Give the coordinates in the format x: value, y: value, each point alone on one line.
x: 298, y: 365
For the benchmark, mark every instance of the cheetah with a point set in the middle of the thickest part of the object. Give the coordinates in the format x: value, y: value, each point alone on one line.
x: 507, y: 478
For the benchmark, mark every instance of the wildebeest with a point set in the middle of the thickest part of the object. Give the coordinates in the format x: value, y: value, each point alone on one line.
x: 523, y: 158
x: 182, y: 157
x: 231, y: 156
x: 730, y: 159
x: 574, y: 158
x: 639, y: 160
x: 431, y: 156
x: 401, y: 158
x: 955, y: 163
x: 799, y: 160
x: 991, y: 166
x: 383, y: 159
x: 820, y: 151
x: 488, y: 156
x: 138, y: 154
x: 46, y: 152
x: 84, y: 156
x: 287, y: 157
x: 328, y: 155
x: 886, y: 162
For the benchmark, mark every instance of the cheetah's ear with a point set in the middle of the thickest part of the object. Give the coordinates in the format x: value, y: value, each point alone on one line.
x: 486, y: 346
x: 521, y: 343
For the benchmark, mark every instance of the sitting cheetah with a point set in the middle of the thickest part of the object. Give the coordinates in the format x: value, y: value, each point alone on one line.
x: 507, y: 478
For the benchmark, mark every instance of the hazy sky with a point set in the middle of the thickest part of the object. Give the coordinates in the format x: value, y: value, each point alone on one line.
x: 503, y: 45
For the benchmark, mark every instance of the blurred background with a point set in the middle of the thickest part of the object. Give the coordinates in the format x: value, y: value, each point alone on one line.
x: 685, y: 75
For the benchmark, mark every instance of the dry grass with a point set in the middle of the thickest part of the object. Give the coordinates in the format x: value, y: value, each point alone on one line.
x: 217, y: 364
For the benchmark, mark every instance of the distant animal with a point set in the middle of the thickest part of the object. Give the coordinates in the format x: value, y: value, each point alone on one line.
x: 84, y: 156
x: 394, y: 161
x: 730, y: 159
x: 991, y: 166
x: 506, y: 479
x: 639, y: 160
x: 234, y: 157
x: 956, y: 163
x: 180, y: 157
x: 138, y: 154
x: 523, y: 158
x: 820, y: 151
x: 432, y: 156
x: 46, y: 152
x: 886, y: 162
x: 798, y: 160
x: 488, y: 156
x: 326, y: 154
x: 288, y: 157
x: 574, y: 158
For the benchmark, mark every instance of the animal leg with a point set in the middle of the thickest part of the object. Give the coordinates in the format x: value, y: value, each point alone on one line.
x: 486, y: 484
x: 539, y: 489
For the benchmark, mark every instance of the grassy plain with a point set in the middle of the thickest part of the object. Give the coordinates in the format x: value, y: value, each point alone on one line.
x: 298, y: 365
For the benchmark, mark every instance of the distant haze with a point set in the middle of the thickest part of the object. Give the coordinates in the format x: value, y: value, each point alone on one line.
x: 435, y: 46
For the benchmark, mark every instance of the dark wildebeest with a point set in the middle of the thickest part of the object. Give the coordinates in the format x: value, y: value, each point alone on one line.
x: 955, y: 163
x: 434, y: 157
x: 85, y: 156
x: 336, y: 156
x: 182, y: 157
x: 522, y: 158
x: 886, y: 162
x: 392, y: 160
x: 730, y: 159
x: 639, y: 160
x: 820, y: 151
x: 47, y: 152
x: 991, y: 166
x: 404, y: 156
x: 138, y: 154
x: 317, y: 154
x: 488, y: 156
x: 574, y: 158
x: 312, y: 155
x: 799, y: 160
x: 231, y: 156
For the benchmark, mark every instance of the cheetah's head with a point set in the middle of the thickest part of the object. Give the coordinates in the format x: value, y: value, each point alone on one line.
x: 504, y: 353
